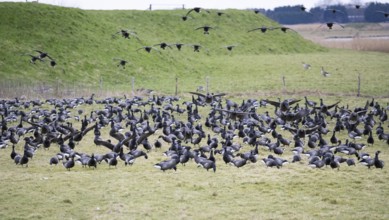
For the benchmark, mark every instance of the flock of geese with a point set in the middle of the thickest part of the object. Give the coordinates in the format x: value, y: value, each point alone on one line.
x: 209, y: 130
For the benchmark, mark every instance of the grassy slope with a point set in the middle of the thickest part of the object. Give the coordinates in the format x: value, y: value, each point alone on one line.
x: 81, y: 43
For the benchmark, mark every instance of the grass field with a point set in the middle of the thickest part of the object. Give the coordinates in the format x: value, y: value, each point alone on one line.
x: 295, y: 191
x: 262, y: 66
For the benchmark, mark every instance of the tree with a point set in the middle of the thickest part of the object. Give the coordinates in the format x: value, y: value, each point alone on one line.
x: 336, y: 13
x: 373, y: 14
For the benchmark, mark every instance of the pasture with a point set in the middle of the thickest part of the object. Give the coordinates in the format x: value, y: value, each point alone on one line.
x: 261, y: 67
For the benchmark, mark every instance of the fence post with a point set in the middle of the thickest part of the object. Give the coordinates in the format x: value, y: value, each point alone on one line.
x: 283, y: 84
x: 359, y: 85
x: 150, y: 7
x: 101, y: 85
x: 133, y: 86
x: 207, y: 83
x: 176, y: 86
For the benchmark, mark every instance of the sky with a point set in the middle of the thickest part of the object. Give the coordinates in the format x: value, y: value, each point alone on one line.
x: 209, y: 4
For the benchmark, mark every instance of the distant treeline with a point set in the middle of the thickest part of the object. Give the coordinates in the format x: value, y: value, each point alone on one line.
x: 372, y: 12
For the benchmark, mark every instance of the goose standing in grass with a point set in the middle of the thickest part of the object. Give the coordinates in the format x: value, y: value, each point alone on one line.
x: 69, y: 163
x: 377, y: 162
x: 54, y: 160
x: 13, y: 153
x: 168, y: 164
x: 334, y: 163
x: 24, y: 160
x: 324, y: 72
x: 92, y: 162
x: 306, y: 66
x: 113, y: 161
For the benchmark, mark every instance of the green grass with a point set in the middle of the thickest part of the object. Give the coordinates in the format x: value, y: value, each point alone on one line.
x: 82, y: 44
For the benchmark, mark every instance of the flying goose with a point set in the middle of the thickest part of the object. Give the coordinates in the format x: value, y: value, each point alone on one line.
x: 333, y: 10
x: 121, y: 62
x: 206, y: 28
x: 163, y: 45
x: 43, y: 54
x: 229, y: 47
x: 34, y: 58
x: 263, y: 29
x: 178, y: 45
x: 196, y: 9
x: 196, y: 47
x: 330, y: 25
x: 386, y: 14
x: 209, y: 97
x: 126, y: 34
x: 283, y: 29
x: 304, y: 9
x: 148, y: 49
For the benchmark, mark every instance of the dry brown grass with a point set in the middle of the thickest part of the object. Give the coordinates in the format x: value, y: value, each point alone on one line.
x: 360, y: 37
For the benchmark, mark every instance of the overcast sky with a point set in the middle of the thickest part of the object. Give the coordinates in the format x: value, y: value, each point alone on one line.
x: 210, y: 4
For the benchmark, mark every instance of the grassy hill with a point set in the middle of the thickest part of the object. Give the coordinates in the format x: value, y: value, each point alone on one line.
x: 81, y: 43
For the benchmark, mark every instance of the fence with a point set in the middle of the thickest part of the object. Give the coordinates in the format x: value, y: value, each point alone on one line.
x: 59, y: 89
x: 166, y: 6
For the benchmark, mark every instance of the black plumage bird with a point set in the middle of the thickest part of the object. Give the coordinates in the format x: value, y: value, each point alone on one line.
x: 69, y: 163
x: 283, y: 29
x: 377, y: 162
x: 386, y: 14
x: 43, y: 54
x: 126, y: 34
x: 148, y: 49
x: 263, y: 29
x: 121, y: 63
x: 209, y: 98
x: 163, y: 45
x: 206, y: 28
x: 196, y: 9
x: 333, y: 10
x: 330, y: 25
x: 34, y: 58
